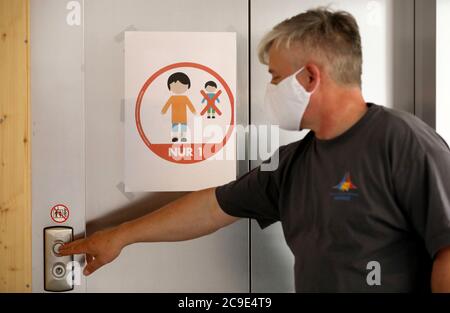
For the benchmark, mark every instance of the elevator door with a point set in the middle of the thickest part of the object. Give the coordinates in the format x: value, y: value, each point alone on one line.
x: 215, y: 263
x: 77, y: 100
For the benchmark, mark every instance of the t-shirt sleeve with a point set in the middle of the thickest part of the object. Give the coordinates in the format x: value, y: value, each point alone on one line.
x: 423, y: 189
x: 254, y: 195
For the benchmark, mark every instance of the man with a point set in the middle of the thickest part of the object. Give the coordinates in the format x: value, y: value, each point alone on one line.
x: 366, y: 189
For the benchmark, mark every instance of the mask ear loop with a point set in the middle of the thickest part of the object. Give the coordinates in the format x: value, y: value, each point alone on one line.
x: 299, y: 71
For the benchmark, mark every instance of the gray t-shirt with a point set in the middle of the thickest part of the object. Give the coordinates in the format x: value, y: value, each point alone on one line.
x: 379, y: 192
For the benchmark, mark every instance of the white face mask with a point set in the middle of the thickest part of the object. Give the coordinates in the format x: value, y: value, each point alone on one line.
x: 286, y: 102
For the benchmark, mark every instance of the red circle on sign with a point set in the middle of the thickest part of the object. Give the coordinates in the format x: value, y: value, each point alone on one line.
x: 59, y: 213
x: 161, y: 149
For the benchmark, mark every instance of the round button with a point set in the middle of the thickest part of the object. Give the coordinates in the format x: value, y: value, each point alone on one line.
x: 56, y: 247
x: 59, y: 270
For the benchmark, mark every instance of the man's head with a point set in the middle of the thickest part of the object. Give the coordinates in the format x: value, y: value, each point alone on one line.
x: 178, y: 83
x: 211, y: 86
x: 327, y: 44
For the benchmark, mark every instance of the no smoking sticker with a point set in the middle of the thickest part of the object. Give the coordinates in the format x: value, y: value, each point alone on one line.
x: 59, y: 213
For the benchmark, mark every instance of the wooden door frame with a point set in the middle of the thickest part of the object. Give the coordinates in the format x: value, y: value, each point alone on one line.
x: 15, y: 148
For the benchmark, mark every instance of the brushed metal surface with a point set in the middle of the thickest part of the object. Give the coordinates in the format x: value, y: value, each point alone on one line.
x: 58, y: 270
x: 215, y: 263
x: 443, y: 69
x: 425, y: 58
x: 77, y: 126
x: 57, y: 125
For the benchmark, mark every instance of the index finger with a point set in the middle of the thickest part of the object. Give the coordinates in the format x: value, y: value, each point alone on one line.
x: 75, y: 247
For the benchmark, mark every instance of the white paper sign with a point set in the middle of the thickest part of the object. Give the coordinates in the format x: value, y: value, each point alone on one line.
x: 180, y: 110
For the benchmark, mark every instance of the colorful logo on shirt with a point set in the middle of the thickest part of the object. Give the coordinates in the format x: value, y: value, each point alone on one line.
x: 346, y: 184
x: 346, y: 189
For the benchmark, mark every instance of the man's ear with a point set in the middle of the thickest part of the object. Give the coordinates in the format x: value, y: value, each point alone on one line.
x: 313, y: 77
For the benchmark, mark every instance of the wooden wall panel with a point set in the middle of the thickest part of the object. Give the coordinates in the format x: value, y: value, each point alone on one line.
x: 15, y: 168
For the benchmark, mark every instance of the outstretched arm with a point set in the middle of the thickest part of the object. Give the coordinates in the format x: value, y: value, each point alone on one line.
x: 192, y: 216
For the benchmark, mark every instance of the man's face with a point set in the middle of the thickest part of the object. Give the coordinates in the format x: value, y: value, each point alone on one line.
x: 282, y: 64
x: 178, y: 88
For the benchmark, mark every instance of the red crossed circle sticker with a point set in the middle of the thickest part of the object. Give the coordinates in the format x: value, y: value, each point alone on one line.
x: 59, y: 213
x: 192, y: 152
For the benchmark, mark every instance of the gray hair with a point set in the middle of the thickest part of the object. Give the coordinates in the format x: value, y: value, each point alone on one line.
x: 333, y: 38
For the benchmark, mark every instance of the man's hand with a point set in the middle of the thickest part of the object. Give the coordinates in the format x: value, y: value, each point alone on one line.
x: 101, y: 248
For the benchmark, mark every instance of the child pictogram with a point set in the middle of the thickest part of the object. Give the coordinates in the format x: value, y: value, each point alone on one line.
x: 211, y: 96
x: 179, y: 83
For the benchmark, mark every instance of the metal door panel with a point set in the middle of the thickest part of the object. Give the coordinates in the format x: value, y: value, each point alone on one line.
x: 387, y: 30
x: 216, y: 263
x: 58, y: 167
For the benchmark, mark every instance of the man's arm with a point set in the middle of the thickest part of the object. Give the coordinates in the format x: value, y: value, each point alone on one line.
x: 192, y: 216
x: 440, y: 277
